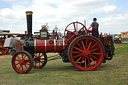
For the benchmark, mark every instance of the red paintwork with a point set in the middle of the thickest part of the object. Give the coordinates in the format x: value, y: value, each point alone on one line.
x: 88, y: 54
x: 18, y: 45
x: 21, y: 62
x: 76, y: 27
x: 90, y: 31
x: 39, y: 60
x: 107, y: 45
x: 2, y: 49
x: 44, y: 45
x: 84, y: 51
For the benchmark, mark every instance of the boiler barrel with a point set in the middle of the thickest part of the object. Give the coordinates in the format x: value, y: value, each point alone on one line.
x: 49, y: 45
x: 45, y: 45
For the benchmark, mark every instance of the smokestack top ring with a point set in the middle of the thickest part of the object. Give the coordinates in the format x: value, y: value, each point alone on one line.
x: 29, y: 12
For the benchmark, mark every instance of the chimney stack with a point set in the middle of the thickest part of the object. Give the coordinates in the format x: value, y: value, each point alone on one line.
x: 29, y: 24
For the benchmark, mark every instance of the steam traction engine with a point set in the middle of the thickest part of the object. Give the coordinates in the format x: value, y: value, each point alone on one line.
x: 85, y: 52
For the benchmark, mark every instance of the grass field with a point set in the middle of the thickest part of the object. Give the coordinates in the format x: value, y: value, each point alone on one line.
x: 114, y: 72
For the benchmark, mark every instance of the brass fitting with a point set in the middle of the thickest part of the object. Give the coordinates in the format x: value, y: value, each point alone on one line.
x: 28, y: 12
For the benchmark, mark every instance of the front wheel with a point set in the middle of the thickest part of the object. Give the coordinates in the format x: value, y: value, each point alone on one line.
x: 86, y: 52
x: 22, y: 62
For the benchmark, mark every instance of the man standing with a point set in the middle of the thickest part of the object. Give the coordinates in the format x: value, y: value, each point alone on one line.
x: 94, y: 27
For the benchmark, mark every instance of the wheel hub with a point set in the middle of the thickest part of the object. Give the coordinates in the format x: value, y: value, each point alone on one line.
x: 86, y: 52
x: 21, y: 62
x: 76, y: 33
x: 37, y: 59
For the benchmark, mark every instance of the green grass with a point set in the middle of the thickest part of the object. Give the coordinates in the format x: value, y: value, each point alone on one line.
x: 113, y: 72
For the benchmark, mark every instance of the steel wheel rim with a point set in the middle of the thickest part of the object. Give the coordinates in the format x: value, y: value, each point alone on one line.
x: 39, y: 60
x: 91, y: 57
x: 21, y: 62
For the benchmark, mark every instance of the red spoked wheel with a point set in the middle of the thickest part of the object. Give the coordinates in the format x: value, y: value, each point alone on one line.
x: 39, y: 60
x: 22, y: 62
x: 86, y: 52
x: 73, y: 30
x: 3, y: 51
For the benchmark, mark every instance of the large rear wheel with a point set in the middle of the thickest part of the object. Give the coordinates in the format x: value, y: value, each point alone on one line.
x: 86, y: 52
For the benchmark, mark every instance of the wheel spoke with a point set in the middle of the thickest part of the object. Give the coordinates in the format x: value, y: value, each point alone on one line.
x: 77, y: 55
x: 88, y: 61
x: 87, y: 42
x: 76, y: 52
x: 78, y: 49
x: 82, y: 61
x: 27, y: 63
x: 96, y: 53
x: 71, y: 37
x: 93, y: 46
x: 69, y: 31
x: 24, y: 57
x: 94, y: 57
x: 19, y: 67
x: 25, y: 66
x: 79, y: 45
x: 94, y: 50
x: 18, y: 57
x: 92, y: 60
x: 89, y: 45
x: 27, y: 60
x: 22, y: 67
x: 78, y: 59
x: 80, y: 29
x: 74, y: 27
x: 41, y: 55
x: 16, y: 60
x: 17, y: 64
x: 83, y: 45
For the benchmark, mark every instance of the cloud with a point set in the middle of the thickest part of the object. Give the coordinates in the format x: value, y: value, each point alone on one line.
x: 114, y: 23
x: 56, y: 12
x: 8, y: 0
x: 109, y: 8
x: 104, y: 9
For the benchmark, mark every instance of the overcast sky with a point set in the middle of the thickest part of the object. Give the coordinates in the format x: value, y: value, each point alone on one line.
x: 112, y: 15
